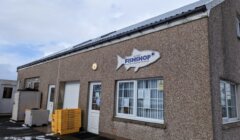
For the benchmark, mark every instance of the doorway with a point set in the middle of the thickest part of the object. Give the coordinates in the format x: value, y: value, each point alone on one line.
x: 71, y: 95
x: 94, y: 107
x: 50, y: 103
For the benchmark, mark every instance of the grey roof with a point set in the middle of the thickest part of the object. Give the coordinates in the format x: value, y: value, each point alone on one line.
x: 197, y: 7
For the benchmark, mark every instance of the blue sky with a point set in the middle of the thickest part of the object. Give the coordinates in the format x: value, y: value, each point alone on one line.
x: 31, y: 29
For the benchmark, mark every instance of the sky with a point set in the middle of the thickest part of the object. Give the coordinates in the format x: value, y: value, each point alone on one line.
x: 32, y: 29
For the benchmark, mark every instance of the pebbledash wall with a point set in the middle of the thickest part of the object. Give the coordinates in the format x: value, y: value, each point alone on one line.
x: 197, y: 52
x: 224, y: 48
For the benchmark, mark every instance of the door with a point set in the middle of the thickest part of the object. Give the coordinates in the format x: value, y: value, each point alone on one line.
x: 94, y: 107
x: 6, y: 99
x: 15, y: 106
x: 71, y: 95
x: 50, y: 103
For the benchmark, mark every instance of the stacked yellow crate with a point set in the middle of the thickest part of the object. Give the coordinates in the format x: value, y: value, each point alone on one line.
x: 68, y: 121
x: 54, y: 123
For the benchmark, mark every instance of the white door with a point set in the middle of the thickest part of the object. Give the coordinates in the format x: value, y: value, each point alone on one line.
x: 94, y: 107
x: 71, y: 95
x: 51, y: 94
x: 15, y: 106
x: 6, y: 99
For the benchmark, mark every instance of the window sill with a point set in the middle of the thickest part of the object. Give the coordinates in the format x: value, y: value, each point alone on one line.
x: 231, y: 125
x: 155, y: 125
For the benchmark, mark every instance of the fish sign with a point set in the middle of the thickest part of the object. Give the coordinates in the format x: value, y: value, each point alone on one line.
x: 138, y: 59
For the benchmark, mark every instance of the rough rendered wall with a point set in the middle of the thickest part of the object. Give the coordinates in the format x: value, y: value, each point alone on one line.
x: 184, y: 65
x: 225, y: 61
x: 48, y: 76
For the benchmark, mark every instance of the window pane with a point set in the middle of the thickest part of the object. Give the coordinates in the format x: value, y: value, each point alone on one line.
x: 52, y: 94
x: 238, y: 27
x: 125, y: 97
x: 232, y: 112
x: 160, y: 85
x: 121, y: 85
x: 150, y: 99
x: 233, y: 96
x: 223, y: 99
x: 224, y: 111
x: 232, y: 103
x: 227, y: 89
x: 140, y: 84
x: 7, y: 92
x: 154, y: 93
x: 36, y: 86
x: 96, y: 97
x: 228, y: 100
x: 153, y: 84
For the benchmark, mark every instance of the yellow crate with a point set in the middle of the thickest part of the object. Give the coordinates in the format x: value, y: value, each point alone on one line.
x: 54, y: 123
x: 63, y: 132
x: 66, y: 121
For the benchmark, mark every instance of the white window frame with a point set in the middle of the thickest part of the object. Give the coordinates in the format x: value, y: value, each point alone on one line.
x: 122, y: 115
x: 134, y: 115
x: 238, y: 27
x: 226, y: 120
x: 30, y: 82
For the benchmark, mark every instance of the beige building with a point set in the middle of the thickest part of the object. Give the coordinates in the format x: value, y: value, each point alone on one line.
x: 172, y: 77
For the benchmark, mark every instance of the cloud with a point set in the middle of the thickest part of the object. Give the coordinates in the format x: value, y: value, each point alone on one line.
x: 31, y: 29
x: 13, y: 55
x: 35, y: 21
x: 6, y: 72
x: 51, y: 48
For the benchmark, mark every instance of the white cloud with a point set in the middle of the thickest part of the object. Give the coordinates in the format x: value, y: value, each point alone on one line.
x: 8, y: 65
x: 35, y: 21
x: 7, y: 73
x: 48, y: 26
x: 48, y: 49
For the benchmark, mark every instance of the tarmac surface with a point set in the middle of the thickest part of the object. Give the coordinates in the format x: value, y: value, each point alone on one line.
x: 10, y: 130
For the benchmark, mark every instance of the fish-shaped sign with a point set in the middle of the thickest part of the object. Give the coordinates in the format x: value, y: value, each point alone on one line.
x: 138, y: 59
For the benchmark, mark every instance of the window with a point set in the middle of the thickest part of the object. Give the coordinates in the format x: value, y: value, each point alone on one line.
x: 126, y: 97
x: 52, y: 92
x: 7, y: 92
x: 238, y: 27
x: 228, y: 101
x: 36, y: 86
x: 32, y: 83
x: 96, y: 96
x: 140, y: 100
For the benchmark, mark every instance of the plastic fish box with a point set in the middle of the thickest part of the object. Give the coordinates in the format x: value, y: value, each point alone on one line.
x: 36, y: 117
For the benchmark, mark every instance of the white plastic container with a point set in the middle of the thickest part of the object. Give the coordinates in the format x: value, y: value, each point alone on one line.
x: 36, y: 117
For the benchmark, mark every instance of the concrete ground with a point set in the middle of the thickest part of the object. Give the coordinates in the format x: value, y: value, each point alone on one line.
x: 17, y: 131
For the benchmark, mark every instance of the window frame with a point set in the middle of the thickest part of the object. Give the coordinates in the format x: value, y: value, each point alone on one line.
x: 134, y: 115
x: 52, y: 93
x: 238, y: 26
x: 122, y: 115
x: 226, y: 120
x: 30, y: 83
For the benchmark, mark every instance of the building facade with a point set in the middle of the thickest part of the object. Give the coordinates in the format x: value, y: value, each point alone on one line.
x: 171, y: 77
